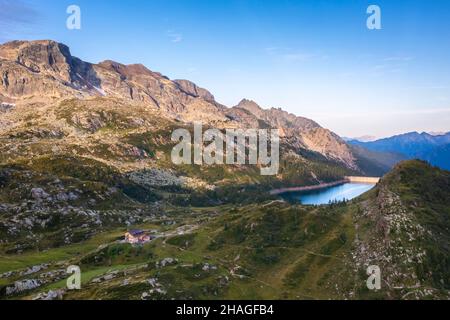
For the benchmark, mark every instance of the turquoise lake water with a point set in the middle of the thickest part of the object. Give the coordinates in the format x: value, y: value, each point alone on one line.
x: 342, y: 192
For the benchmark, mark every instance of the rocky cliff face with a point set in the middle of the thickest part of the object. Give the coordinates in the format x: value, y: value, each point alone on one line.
x: 40, y: 68
x: 302, y: 132
x: 46, y: 72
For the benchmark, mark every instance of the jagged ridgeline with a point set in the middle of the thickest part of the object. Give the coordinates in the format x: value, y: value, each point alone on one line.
x: 85, y: 156
x: 53, y: 91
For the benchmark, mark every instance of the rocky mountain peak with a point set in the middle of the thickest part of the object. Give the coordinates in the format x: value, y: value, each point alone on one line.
x: 251, y: 106
x: 192, y: 89
x: 129, y: 71
x: 11, y: 50
x: 277, y: 117
x: 44, y: 56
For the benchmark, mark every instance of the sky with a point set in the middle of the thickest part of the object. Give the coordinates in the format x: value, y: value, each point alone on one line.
x: 313, y: 58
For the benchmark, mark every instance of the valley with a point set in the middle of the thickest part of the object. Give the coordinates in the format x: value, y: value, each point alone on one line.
x: 268, y: 250
x: 85, y: 157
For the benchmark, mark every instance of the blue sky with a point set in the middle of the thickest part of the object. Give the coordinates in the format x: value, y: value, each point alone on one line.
x: 314, y: 58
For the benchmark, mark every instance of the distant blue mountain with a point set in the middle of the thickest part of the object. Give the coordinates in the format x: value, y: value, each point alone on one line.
x: 439, y: 156
x: 414, y: 145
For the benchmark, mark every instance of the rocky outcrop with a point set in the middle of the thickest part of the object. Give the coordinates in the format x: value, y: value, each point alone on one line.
x: 43, y: 69
x: 192, y: 89
x: 277, y: 118
x: 41, y: 57
x: 51, y: 295
x: 22, y: 286
x: 5, y: 107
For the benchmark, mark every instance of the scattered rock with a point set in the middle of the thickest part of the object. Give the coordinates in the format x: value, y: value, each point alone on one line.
x: 51, y: 295
x: 22, y: 286
x: 39, y: 194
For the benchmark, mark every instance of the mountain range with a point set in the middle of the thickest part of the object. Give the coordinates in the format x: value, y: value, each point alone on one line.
x: 44, y: 72
x: 433, y: 148
x: 85, y: 158
x: 366, y: 138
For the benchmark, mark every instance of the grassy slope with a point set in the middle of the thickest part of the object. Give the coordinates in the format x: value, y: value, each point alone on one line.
x: 277, y: 250
x: 272, y: 245
x: 425, y: 192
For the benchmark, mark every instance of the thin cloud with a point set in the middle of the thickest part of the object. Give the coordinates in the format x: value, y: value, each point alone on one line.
x: 427, y: 87
x: 389, y: 65
x: 288, y: 55
x: 387, y: 113
x: 399, y: 59
x: 192, y: 70
x: 384, y: 69
x: 295, y: 57
x: 16, y: 16
x: 271, y: 50
x: 17, y: 11
x: 174, y: 36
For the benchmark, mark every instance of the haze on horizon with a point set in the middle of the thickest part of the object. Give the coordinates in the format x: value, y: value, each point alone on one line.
x: 313, y: 58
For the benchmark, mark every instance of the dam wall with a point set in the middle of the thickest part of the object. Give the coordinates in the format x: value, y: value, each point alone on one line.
x: 373, y: 180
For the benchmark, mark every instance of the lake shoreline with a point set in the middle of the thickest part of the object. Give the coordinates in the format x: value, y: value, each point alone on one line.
x: 321, y: 186
x: 309, y: 188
